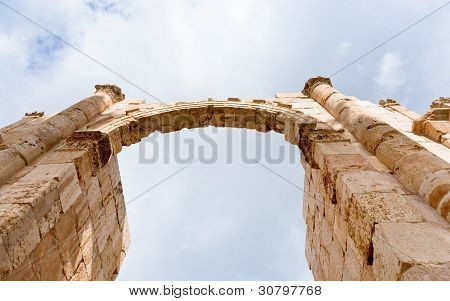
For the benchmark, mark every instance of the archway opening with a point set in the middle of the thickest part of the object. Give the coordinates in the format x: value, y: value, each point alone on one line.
x: 214, y: 204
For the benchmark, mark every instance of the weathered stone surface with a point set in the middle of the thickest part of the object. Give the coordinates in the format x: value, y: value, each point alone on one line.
x: 413, y: 168
x: 367, y: 210
x: 376, y: 195
x: 400, y: 246
x: 5, y: 262
x: 46, y: 261
x: 360, y: 182
x: 10, y: 163
x: 427, y: 272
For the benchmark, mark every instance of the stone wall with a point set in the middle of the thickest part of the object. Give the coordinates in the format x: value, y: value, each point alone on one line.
x: 376, y: 201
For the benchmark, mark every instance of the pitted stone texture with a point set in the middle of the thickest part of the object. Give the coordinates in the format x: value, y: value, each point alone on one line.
x: 383, y: 133
x: 401, y: 246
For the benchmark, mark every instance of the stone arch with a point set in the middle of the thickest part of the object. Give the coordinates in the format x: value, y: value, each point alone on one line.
x: 376, y: 196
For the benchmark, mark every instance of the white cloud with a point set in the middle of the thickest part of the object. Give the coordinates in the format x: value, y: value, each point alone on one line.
x: 182, y: 50
x: 390, y: 72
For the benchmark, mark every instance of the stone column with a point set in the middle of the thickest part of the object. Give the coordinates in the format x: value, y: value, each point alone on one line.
x: 36, y: 134
x: 415, y: 167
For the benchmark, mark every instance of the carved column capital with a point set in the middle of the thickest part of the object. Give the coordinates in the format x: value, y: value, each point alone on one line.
x: 314, y: 82
x: 388, y: 102
x: 441, y: 102
x: 34, y: 114
x: 113, y: 91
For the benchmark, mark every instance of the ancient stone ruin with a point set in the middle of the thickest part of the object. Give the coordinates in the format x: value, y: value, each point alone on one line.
x: 377, y: 181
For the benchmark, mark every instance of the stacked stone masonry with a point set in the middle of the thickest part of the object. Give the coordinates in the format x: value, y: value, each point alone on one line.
x: 377, y: 182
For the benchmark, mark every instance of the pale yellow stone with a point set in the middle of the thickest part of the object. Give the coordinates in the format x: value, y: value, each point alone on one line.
x: 398, y: 246
x: 19, y: 230
x: 413, y: 168
x: 10, y: 163
x: 349, y: 183
x: 427, y: 272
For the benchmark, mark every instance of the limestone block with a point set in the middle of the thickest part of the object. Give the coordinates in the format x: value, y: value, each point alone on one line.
x: 69, y: 190
x: 64, y: 174
x: 19, y: 231
x: 324, y: 149
x: 217, y: 116
x: 336, y: 267
x: 45, y: 260
x: 101, y: 276
x: 81, y: 158
x: 399, y: 246
x: 111, y: 213
x: 324, y: 260
x: 367, y: 210
x: 120, y: 207
x: 5, y: 262
x: 116, y: 140
x: 340, y: 163
x: 94, y: 197
x: 125, y: 236
x: 24, y: 272
x: 366, y: 181
x: 133, y: 126
x: 69, y: 243
x: 114, y: 172
x: 353, y: 263
x: 317, y: 269
x: 101, y: 230
x: 41, y: 196
x: 48, y: 221
x: 81, y: 207
x: 434, y: 129
x: 125, y: 134
x: 330, y: 211
x: 289, y: 131
x: 247, y: 118
x: 105, y: 181
x: 230, y: 116
x: 265, y: 120
x: 305, y: 200
x: 89, y: 249
x: 427, y: 272
x: 326, y: 233
x: 309, y: 238
x: 340, y: 230
x: 317, y: 231
x: 110, y: 258
x: 80, y: 273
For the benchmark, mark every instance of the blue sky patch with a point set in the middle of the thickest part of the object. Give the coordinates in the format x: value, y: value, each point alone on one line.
x: 45, y: 52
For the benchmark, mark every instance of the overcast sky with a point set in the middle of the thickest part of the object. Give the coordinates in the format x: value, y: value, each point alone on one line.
x: 226, y: 220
